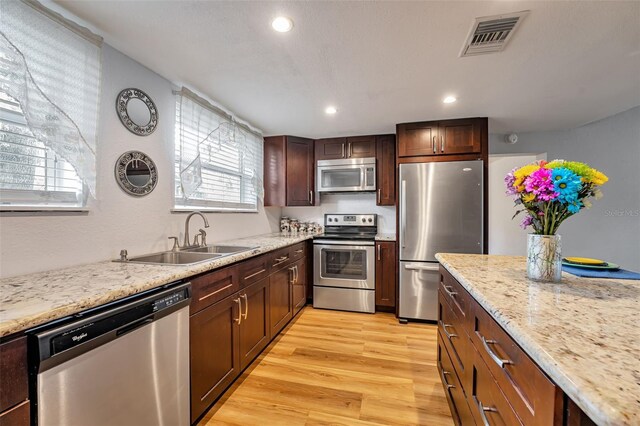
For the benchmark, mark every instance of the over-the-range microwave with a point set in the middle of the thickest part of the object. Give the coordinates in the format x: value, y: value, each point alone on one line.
x: 346, y: 175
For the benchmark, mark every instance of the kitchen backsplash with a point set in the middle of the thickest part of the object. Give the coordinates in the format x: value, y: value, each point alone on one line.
x: 346, y: 203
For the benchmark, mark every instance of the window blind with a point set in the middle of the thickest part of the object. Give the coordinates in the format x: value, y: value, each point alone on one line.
x: 49, y: 96
x: 218, y: 160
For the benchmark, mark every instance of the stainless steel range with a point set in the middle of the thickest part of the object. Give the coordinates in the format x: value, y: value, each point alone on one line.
x: 344, y: 263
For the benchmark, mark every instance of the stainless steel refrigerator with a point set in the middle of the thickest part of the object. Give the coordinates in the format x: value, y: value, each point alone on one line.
x: 441, y: 211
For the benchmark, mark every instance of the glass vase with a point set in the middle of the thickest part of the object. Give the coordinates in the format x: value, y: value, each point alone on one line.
x: 544, y: 260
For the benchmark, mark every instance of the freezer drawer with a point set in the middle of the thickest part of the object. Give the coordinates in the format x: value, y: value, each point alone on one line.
x: 344, y: 299
x: 419, y: 290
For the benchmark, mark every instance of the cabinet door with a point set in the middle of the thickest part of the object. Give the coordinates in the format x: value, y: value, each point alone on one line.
x: 331, y: 149
x: 386, y: 169
x: 280, y: 307
x: 361, y: 147
x: 459, y: 136
x: 215, y: 360
x: 417, y: 139
x: 254, y: 328
x: 453, y: 388
x: 386, y: 274
x: 300, y: 170
x: 299, y: 285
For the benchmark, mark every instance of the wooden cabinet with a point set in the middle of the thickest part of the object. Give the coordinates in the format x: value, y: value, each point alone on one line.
x: 299, y: 291
x: 386, y: 170
x: 254, y: 327
x: 14, y: 389
x: 385, y: 275
x: 350, y: 147
x: 215, y: 352
x: 445, y: 137
x: 212, y: 287
x: 453, y: 388
x: 289, y: 171
x: 503, y: 386
x: 280, y: 307
x: 361, y: 147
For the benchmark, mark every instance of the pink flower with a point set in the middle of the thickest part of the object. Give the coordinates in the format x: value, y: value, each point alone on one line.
x: 509, y: 179
x: 541, y: 184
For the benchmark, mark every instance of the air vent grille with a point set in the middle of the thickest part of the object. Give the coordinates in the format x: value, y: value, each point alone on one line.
x: 492, y: 33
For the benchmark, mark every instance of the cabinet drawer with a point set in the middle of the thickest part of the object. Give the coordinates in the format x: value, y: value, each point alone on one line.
x: 17, y: 416
x: 452, y: 387
x: 213, y: 287
x: 455, y: 338
x: 531, y: 393
x: 13, y: 371
x: 457, y: 297
x: 297, y: 251
x: 280, y: 258
x: 488, y: 404
x: 254, y: 270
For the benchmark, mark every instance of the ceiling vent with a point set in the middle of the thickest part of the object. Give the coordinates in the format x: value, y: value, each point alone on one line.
x: 491, y: 34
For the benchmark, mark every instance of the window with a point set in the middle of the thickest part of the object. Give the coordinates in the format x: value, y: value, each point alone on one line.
x: 218, y: 163
x: 30, y: 173
x: 49, y: 96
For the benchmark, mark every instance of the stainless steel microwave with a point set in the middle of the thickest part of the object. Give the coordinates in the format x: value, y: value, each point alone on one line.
x: 346, y: 175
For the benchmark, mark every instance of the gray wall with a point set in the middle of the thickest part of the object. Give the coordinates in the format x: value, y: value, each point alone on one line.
x: 611, y: 228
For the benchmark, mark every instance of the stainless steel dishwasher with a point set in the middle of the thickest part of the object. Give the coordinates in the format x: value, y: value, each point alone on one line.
x: 126, y: 363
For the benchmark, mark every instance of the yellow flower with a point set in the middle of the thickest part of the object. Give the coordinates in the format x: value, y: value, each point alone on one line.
x: 598, y: 178
x: 529, y: 197
x: 521, y: 174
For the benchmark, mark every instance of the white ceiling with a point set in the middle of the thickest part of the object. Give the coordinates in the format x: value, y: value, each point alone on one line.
x: 383, y: 63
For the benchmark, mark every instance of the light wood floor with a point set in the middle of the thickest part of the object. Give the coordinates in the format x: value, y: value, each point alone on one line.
x: 340, y: 368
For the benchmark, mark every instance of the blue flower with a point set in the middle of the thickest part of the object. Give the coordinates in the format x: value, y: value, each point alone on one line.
x: 567, y: 184
x: 574, y: 207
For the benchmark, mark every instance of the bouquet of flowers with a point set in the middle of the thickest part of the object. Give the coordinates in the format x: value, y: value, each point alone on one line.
x: 549, y: 193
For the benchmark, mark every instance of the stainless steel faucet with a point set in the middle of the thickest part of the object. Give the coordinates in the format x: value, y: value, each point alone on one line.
x: 186, y: 227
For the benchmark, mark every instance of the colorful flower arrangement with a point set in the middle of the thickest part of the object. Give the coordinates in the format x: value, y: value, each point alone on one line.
x: 551, y: 192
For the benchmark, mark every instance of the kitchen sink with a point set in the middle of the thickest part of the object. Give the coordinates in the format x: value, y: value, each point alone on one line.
x: 222, y: 250
x: 175, y: 258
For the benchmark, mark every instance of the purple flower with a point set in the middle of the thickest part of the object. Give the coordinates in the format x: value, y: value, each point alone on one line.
x: 527, y: 221
x: 541, y: 184
x: 509, y: 179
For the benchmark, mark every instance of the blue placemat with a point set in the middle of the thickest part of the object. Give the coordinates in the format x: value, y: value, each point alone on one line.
x: 599, y: 273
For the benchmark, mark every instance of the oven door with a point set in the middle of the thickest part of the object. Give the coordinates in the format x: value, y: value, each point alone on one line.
x: 344, y: 265
x: 346, y: 175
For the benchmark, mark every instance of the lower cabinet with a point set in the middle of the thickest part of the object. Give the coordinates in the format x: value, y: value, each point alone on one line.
x: 299, y: 292
x: 14, y: 388
x: 385, y: 275
x: 453, y: 388
x: 280, y: 297
x: 254, y: 326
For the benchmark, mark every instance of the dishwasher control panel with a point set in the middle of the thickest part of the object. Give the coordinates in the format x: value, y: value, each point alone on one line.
x: 169, y: 300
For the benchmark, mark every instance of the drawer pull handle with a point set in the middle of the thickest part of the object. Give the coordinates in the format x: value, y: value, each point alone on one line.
x: 501, y: 362
x: 280, y: 260
x: 299, y: 251
x: 450, y: 291
x: 444, y: 380
x: 449, y: 335
x: 483, y: 409
x: 215, y: 292
x: 248, y: 277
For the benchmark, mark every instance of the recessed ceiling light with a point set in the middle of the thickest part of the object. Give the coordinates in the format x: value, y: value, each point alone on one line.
x: 282, y: 24
x: 330, y: 110
x: 449, y: 99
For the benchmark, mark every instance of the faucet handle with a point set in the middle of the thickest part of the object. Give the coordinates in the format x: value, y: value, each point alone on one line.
x: 203, y: 234
x: 176, y: 244
x: 195, y: 240
x: 123, y: 255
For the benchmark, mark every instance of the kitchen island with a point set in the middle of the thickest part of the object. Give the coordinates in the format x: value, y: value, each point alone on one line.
x: 583, y: 333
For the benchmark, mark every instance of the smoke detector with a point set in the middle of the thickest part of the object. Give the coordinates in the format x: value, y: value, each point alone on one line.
x: 491, y: 34
x: 511, y: 138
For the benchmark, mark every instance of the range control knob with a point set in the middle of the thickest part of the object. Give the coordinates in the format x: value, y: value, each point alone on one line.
x: 370, y: 220
x: 329, y: 220
x: 364, y: 220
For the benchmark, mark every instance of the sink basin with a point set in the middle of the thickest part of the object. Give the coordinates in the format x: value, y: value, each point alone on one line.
x: 218, y: 249
x: 174, y: 258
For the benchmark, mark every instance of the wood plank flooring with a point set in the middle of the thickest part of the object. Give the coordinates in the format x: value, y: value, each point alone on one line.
x: 340, y: 368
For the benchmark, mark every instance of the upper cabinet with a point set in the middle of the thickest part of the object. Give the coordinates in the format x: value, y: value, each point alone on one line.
x: 288, y: 171
x: 445, y: 137
x: 351, y: 147
x: 386, y: 170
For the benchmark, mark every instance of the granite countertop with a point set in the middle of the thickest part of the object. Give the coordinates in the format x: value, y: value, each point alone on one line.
x: 34, y: 299
x: 583, y: 332
x: 386, y: 237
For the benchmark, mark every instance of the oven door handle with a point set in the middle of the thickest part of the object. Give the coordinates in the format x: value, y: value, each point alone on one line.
x: 414, y: 267
x: 349, y: 244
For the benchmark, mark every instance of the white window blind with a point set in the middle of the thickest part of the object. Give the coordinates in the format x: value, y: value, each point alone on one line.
x: 49, y: 97
x: 218, y: 162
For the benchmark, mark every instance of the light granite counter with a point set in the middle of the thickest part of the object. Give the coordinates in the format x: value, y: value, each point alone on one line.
x: 34, y: 299
x: 583, y: 332
x: 385, y: 237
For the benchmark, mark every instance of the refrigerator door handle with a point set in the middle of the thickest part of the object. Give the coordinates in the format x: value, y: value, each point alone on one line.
x: 403, y: 213
x: 417, y: 267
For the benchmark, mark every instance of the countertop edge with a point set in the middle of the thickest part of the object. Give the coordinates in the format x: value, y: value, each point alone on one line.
x: 9, y: 327
x: 601, y: 415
